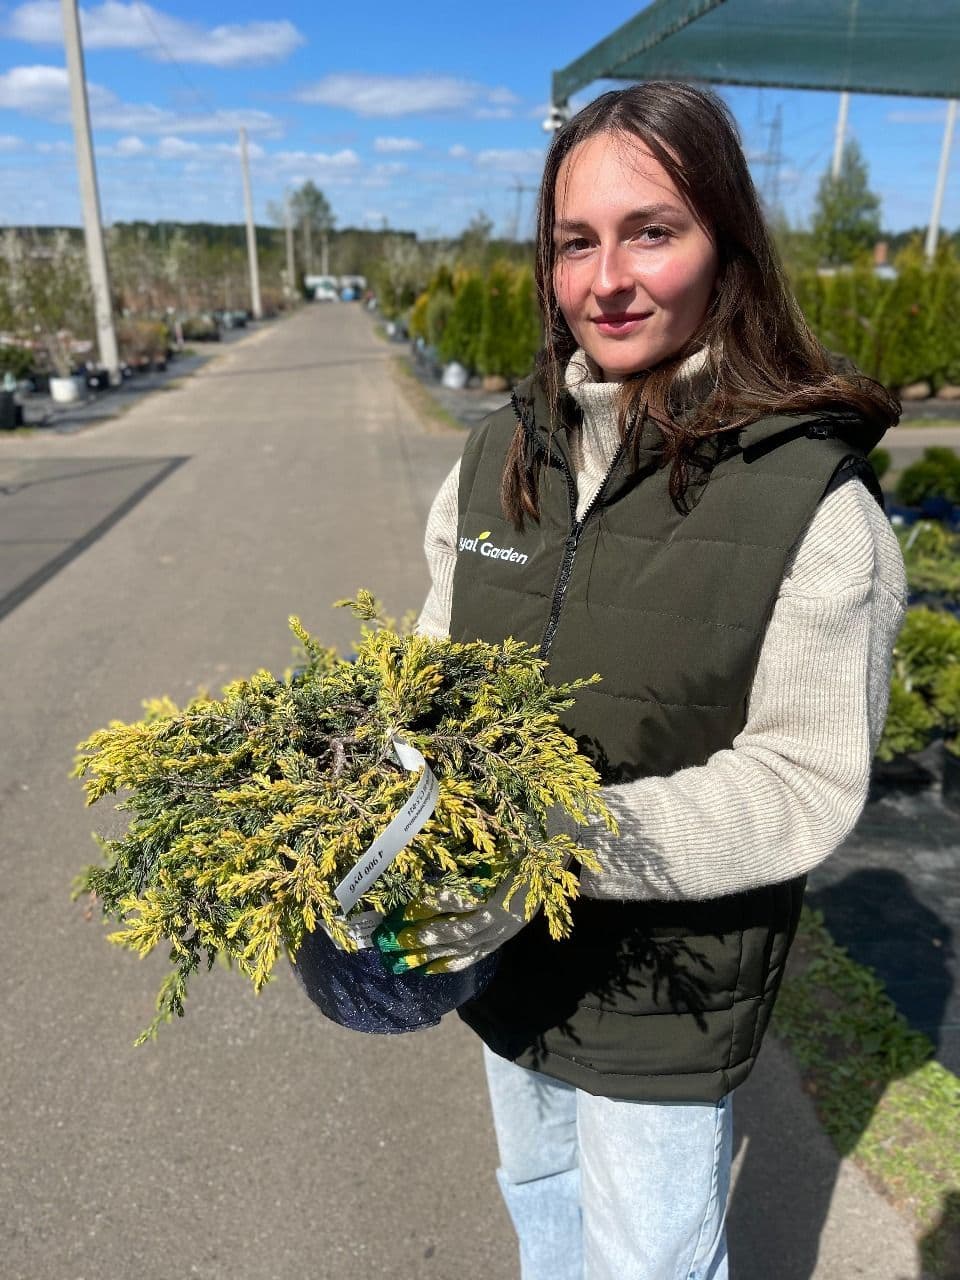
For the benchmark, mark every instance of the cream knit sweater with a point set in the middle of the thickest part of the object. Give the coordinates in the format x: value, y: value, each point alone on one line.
x: 792, y: 784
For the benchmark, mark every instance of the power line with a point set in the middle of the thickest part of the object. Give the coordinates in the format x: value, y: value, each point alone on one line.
x: 162, y: 45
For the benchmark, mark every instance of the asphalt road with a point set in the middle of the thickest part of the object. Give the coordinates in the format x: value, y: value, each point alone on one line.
x: 160, y: 552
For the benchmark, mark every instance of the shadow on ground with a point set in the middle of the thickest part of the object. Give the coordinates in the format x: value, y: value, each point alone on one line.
x: 789, y: 1171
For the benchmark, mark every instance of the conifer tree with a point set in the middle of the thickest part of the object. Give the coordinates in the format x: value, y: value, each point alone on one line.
x: 461, y: 336
x: 526, y: 323
x: 846, y: 219
x: 496, y: 347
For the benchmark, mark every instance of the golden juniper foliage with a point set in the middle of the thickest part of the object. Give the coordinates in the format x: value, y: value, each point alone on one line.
x: 250, y: 808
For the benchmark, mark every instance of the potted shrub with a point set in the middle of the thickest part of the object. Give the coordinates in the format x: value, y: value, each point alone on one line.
x: 908, y: 729
x: 933, y: 484
x: 47, y: 285
x: 946, y: 697
x: 931, y: 554
x: 928, y: 646
x: 282, y: 815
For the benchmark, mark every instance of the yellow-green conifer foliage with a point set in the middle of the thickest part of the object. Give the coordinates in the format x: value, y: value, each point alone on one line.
x: 248, y: 809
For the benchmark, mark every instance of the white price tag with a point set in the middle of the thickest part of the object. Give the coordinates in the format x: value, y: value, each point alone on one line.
x: 411, y: 819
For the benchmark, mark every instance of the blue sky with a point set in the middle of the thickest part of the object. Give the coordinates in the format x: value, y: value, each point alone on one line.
x: 402, y: 113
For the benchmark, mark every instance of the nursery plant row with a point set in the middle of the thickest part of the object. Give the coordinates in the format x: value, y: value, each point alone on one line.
x: 903, y: 331
x: 925, y: 682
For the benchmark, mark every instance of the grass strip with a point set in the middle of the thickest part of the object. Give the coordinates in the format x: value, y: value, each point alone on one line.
x: 917, y: 420
x: 433, y: 416
x: 879, y: 1094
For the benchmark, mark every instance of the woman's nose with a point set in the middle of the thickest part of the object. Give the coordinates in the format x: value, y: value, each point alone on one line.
x: 613, y: 271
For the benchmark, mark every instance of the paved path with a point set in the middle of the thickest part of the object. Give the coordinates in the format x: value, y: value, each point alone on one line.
x: 255, y: 1141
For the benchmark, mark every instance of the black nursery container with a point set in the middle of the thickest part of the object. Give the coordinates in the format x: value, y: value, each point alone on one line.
x: 950, y: 784
x: 357, y: 990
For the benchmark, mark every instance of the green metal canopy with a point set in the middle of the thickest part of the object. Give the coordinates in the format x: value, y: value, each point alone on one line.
x: 864, y: 46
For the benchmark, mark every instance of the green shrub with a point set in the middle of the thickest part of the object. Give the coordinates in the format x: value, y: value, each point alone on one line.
x: 931, y: 555
x: 946, y: 701
x: 20, y: 361
x: 897, y: 331
x: 924, y: 688
x: 929, y: 641
x: 526, y: 323
x: 936, y: 475
x: 495, y: 353
x: 439, y: 311
x: 909, y: 723
x: 461, y: 336
x: 880, y: 460
x: 417, y: 320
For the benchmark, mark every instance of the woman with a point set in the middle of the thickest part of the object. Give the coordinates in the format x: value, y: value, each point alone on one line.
x: 684, y: 484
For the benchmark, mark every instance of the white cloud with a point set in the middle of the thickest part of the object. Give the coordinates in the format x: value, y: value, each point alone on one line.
x: 45, y: 91
x: 130, y: 146
x: 516, y: 160
x: 115, y: 25
x: 932, y: 115
x: 172, y: 148
x: 58, y: 148
x: 390, y: 96
x: 387, y: 145
x: 345, y: 159
x: 35, y: 90
x: 458, y: 151
x: 9, y: 143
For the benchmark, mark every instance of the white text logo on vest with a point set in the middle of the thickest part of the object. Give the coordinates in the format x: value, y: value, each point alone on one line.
x: 490, y: 550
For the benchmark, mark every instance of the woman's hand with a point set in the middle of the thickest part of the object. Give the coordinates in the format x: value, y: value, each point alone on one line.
x: 453, y: 939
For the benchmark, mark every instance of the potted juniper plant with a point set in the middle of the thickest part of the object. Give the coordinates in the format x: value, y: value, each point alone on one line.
x: 947, y: 703
x: 924, y: 698
x: 291, y: 815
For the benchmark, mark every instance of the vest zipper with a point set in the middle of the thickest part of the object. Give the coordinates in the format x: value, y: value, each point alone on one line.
x: 571, y: 542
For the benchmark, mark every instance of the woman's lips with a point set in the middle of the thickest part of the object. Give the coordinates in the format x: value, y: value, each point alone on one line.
x: 626, y: 322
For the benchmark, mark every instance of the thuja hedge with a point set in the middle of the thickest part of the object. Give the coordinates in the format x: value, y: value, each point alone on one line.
x: 486, y: 320
x: 897, y: 331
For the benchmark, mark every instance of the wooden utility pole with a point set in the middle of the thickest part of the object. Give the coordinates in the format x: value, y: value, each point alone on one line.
x: 251, y: 230
x: 89, y: 195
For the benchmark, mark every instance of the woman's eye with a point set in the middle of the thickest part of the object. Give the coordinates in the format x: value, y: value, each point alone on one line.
x: 574, y: 245
x: 654, y: 235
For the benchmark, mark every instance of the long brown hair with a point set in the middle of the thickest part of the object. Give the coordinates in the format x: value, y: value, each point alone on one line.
x: 761, y: 356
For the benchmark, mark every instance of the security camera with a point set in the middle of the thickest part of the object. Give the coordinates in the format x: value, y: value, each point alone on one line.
x: 556, y: 119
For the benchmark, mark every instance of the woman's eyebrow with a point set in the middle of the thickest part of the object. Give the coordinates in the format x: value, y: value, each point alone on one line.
x: 635, y: 215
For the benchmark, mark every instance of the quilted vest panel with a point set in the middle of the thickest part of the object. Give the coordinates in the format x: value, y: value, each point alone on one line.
x: 647, y: 1000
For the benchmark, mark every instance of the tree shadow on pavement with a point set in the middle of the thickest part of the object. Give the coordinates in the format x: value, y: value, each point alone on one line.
x: 789, y: 1165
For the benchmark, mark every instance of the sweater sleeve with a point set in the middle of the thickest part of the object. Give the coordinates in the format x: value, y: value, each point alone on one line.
x: 440, y: 545
x: 795, y: 779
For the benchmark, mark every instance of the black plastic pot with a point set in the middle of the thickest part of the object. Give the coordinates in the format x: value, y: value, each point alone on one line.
x: 950, y: 785
x: 903, y: 773
x: 9, y: 417
x: 356, y: 990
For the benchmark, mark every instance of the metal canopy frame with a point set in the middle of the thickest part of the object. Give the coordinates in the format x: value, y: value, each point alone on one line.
x: 857, y: 46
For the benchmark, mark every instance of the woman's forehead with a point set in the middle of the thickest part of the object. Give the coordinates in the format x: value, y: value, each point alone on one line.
x: 614, y: 166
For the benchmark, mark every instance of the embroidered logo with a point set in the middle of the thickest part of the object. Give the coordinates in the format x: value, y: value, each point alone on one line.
x: 489, y: 549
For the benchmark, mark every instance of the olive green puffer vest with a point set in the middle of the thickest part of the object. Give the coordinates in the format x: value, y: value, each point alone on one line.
x: 654, y: 1000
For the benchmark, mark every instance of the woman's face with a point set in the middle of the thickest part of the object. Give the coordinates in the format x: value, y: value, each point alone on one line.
x: 634, y: 271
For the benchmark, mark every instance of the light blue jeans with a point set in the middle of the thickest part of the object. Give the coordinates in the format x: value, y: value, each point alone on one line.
x: 603, y: 1189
